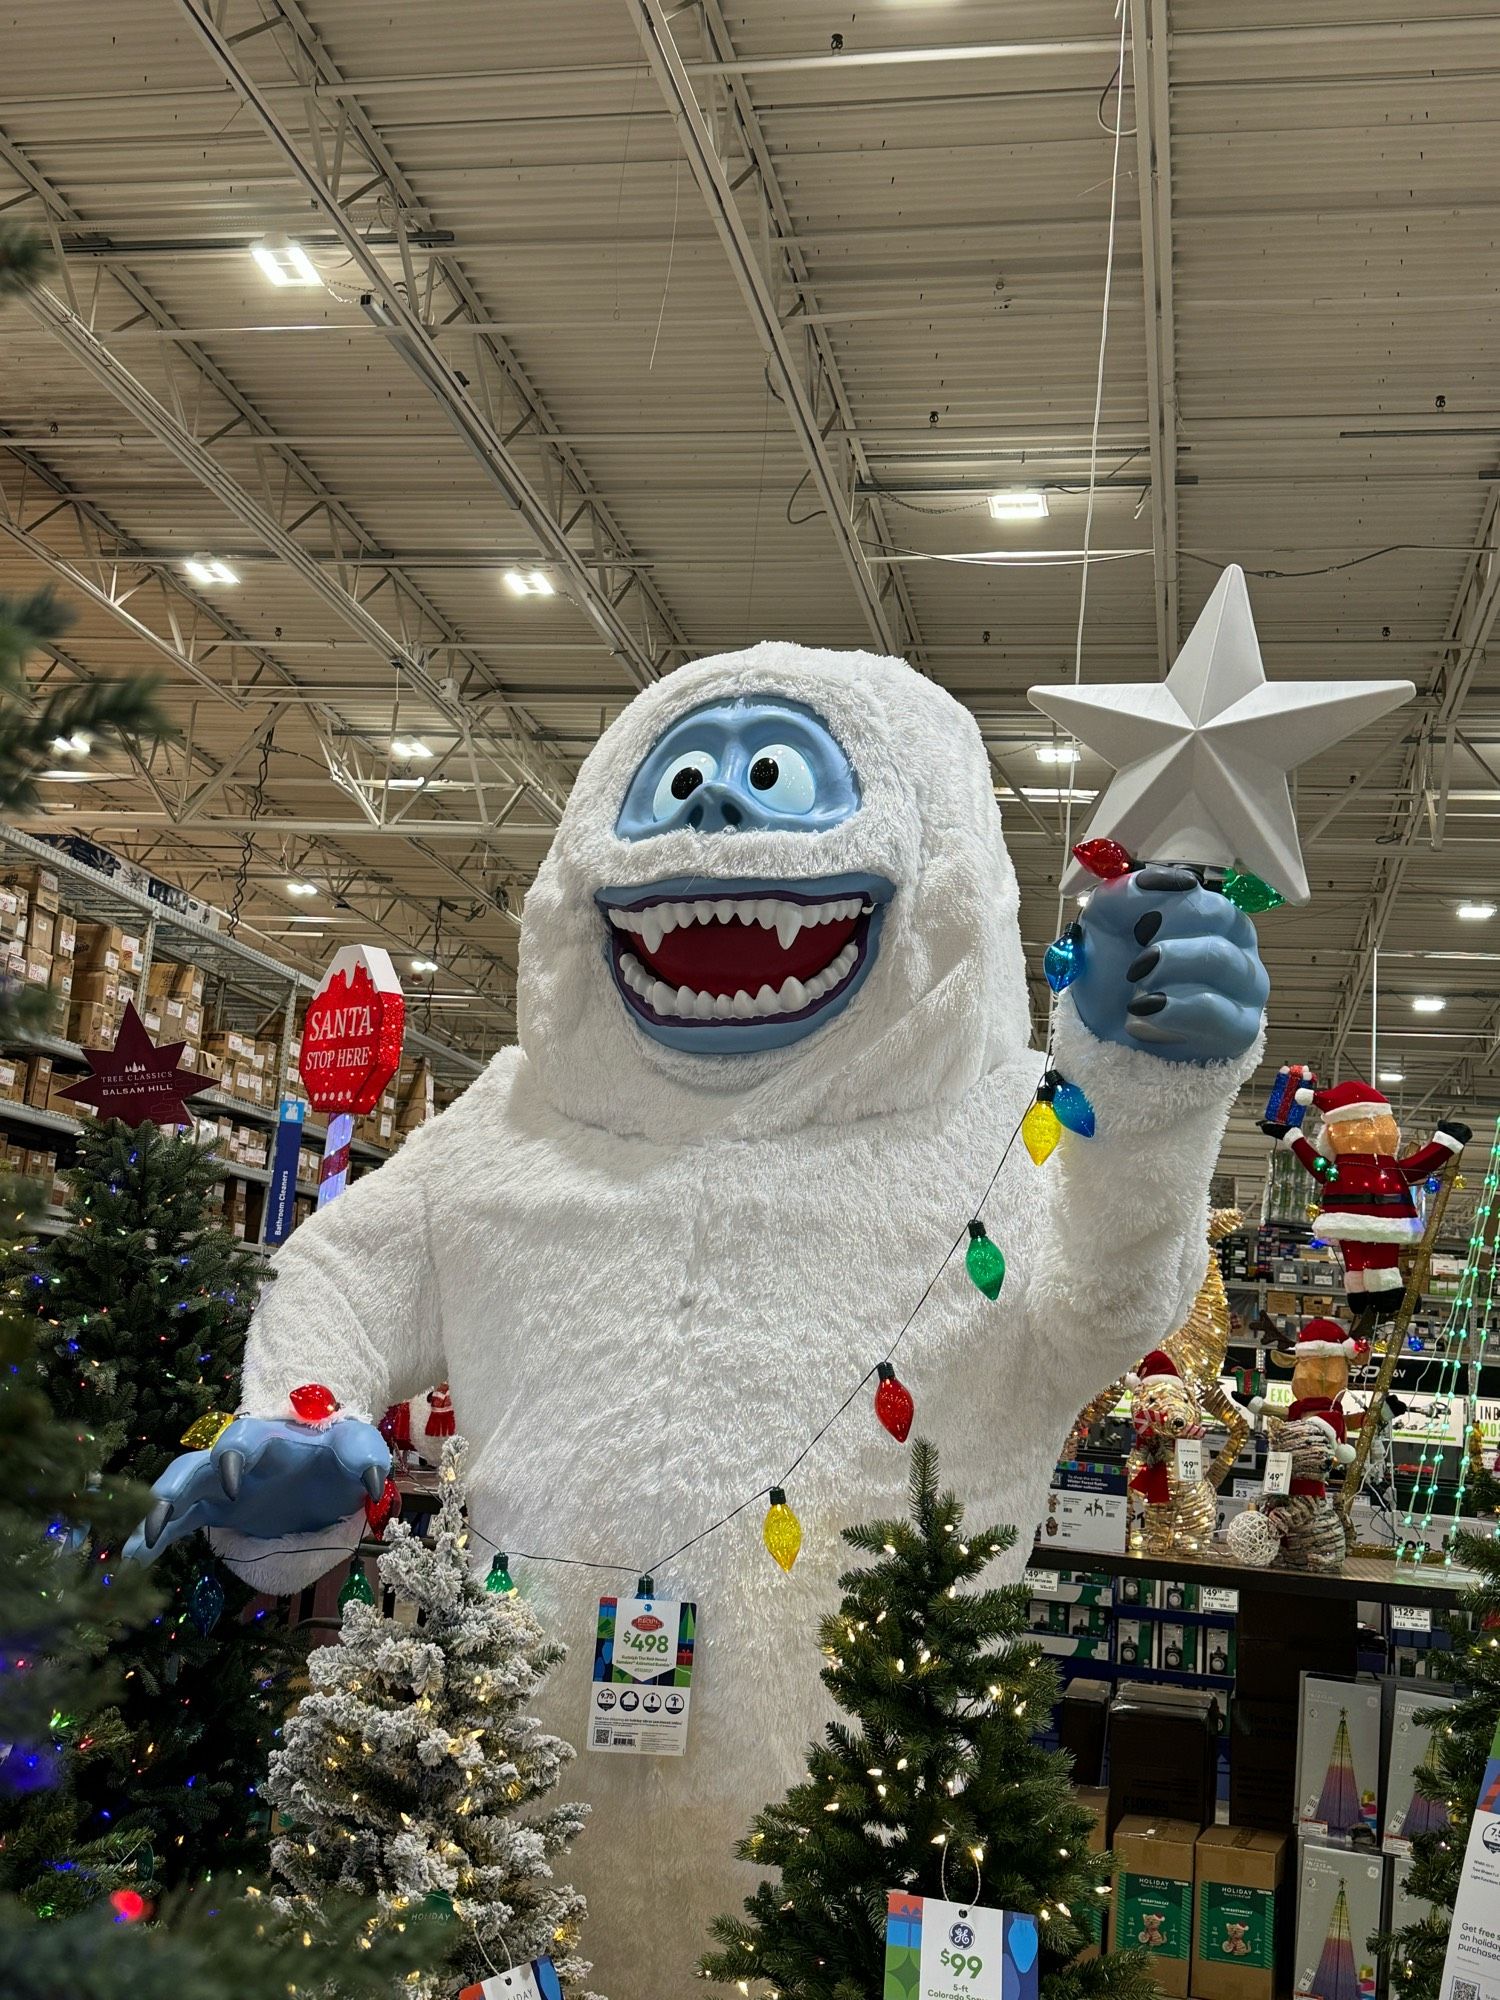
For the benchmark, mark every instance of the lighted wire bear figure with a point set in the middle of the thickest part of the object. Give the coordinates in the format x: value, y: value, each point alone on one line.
x: 1300, y: 1529
x: 1175, y: 1513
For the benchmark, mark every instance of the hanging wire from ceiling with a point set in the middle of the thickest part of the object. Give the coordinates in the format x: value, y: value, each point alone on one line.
x: 247, y: 839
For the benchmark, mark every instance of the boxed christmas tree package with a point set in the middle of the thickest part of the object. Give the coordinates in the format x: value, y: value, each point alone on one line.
x: 1340, y: 1893
x: 1338, y: 1759
x: 1239, y: 1872
x: 1405, y: 1907
x: 1407, y: 1811
x: 1153, y: 1900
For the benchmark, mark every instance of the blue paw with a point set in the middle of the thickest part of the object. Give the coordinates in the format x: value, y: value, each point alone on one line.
x: 266, y: 1476
x: 1169, y: 967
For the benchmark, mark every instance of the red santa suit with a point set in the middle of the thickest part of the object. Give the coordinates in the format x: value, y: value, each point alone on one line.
x: 1367, y: 1203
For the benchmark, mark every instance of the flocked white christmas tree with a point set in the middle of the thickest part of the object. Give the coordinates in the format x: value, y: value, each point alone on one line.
x: 408, y: 1770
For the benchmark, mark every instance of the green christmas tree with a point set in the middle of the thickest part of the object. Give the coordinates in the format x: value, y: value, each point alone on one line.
x: 937, y: 1785
x: 1460, y: 1748
x: 145, y: 1304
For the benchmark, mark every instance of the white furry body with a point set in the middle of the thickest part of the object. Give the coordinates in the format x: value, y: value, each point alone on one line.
x: 648, y: 1289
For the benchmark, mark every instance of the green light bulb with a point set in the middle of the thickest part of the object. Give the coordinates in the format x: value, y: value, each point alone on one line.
x: 499, y: 1578
x: 356, y: 1588
x: 984, y: 1261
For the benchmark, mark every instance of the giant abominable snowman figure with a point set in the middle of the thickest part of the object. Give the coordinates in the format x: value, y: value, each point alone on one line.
x: 773, y: 1040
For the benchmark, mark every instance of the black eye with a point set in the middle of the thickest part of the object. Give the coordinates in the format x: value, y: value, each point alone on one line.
x: 686, y: 781
x: 764, y: 772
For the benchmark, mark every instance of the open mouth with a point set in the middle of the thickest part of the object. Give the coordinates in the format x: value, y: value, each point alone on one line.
x: 750, y: 956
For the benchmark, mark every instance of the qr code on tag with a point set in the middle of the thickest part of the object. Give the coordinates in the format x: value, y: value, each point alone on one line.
x: 601, y: 1735
x: 1463, y: 1989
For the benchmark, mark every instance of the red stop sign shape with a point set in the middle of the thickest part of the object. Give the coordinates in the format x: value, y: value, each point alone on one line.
x: 351, y: 1038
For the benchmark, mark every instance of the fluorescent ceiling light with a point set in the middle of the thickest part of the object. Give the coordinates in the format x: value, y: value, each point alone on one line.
x: 72, y: 746
x: 529, y: 583
x: 1427, y: 1003
x: 405, y: 784
x: 1019, y: 503
x: 1475, y: 913
x: 408, y: 747
x: 302, y: 888
x: 1082, y: 796
x: 1392, y: 1076
x: 209, y: 569
x: 424, y: 965
x: 1058, y: 753
x: 70, y: 777
x: 285, y: 262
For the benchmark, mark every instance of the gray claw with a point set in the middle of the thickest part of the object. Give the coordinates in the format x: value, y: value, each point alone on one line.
x: 373, y: 1481
x: 155, y: 1522
x: 231, y: 1466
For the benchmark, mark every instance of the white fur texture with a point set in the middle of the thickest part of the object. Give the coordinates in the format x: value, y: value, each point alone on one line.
x: 649, y: 1277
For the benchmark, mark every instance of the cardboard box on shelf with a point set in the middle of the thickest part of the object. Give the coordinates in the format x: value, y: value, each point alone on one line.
x: 93, y: 1023
x: 64, y: 1106
x: 1338, y: 1759
x: 66, y: 943
x: 39, y: 1081
x: 61, y: 982
x: 13, y: 1079
x: 109, y: 948
x: 1339, y: 1898
x: 1407, y: 1811
x: 1153, y: 1900
x: 100, y: 989
x: 40, y: 885
x: 41, y: 930
x: 1239, y: 1872
x: 38, y: 967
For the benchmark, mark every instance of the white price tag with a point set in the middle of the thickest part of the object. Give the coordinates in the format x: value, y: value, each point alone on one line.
x: 958, y: 1951
x: 1190, y: 1459
x: 1278, y: 1472
x: 1214, y: 1597
x: 537, y: 1981
x: 643, y: 1672
x: 1411, y: 1618
x: 1040, y: 1582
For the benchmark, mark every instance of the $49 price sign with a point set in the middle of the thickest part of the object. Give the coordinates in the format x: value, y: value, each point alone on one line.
x: 936, y: 1950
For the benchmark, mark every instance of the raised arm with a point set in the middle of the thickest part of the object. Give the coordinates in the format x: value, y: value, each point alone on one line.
x: 1159, y: 1031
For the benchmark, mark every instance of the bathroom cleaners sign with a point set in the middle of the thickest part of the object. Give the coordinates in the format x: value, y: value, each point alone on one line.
x: 351, y: 1038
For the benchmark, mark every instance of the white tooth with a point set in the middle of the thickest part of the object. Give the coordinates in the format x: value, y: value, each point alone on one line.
x: 763, y: 913
x: 788, y: 923
x: 660, y: 998
x: 618, y: 919
x: 704, y: 912
x: 849, y: 907
x: 743, y: 1005
x: 845, y: 960
x: 765, y: 1001
x: 744, y: 911
x: 817, y: 987
x: 685, y: 1000
x: 685, y: 913
x: 724, y: 912
x: 630, y: 971
x: 703, y: 1006
x: 792, y: 996
x: 668, y: 914
x: 652, y: 927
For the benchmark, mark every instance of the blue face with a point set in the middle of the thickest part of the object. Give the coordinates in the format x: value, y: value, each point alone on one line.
x: 725, y: 963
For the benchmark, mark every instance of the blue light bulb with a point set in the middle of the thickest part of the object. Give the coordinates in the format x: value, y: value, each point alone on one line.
x: 1073, y: 1109
x: 1063, y: 960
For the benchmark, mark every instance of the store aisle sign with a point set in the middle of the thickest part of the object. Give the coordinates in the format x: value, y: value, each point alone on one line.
x: 642, y: 1688
x: 351, y: 1038
x: 1471, y: 1967
x: 281, y: 1200
x: 935, y: 1950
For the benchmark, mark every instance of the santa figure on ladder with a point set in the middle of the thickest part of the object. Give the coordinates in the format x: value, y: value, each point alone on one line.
x: 1367, y: 1202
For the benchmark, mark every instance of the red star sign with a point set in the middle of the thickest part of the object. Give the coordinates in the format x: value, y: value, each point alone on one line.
x: 136, y: 1081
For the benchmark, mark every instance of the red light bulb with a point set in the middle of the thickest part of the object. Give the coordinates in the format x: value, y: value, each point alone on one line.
x: 313, y: 1403
x: 1105, y: 858
x: 893, y: 1403
x: 128, y: 1905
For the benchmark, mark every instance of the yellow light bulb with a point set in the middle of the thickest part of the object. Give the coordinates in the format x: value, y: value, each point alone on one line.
x: 782, y: 1532
x: 1040, y: 1131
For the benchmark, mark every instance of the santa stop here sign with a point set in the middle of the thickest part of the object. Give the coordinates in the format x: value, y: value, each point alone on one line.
x: 351, y: 1038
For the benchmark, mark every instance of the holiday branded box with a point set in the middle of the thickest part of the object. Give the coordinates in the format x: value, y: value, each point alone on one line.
x: 1239, y: 1871
x: 1153, y: 1902
x: 1339, y: 1896
x: 1338, y: 1759
x: 1409, y: 1812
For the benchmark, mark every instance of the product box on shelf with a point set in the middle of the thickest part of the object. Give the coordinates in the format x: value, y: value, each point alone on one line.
x: 1082, y: 1723
x: 1262, y: 1761
x: 1340, y: 1894
x: 1163, y: 1752
x: 1239, y: 1872
x: 1408, y: 1812
x: 1404, y: 1907
x: 1133, y: 1590
x: 1218, y: 1646
x: 13, y: 1079
x: 1177, y: 1648
x: 1153, y: 1899
x: 1135, y: 1641
x: 39, y: 1081
x: 1338, y: 1759
x: 108, y: 948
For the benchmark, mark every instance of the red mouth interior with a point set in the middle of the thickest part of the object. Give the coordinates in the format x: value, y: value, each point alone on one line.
x: 727, y: 958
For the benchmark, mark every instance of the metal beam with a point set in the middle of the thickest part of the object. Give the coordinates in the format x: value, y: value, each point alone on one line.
x: 412, y: 338
x: 882, y: 612
x: 1153, y: 153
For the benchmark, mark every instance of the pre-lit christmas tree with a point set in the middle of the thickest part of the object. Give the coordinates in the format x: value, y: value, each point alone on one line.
x: 144, y: 1305
x: 938, y: 1786
x: 413, y: 1769
x: 1461, y: 1738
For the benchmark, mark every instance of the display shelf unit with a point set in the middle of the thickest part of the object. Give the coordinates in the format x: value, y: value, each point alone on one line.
x: 1363, y: 1579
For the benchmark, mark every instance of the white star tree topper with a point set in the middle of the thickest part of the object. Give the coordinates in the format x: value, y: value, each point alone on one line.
x: 1201, y: 758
